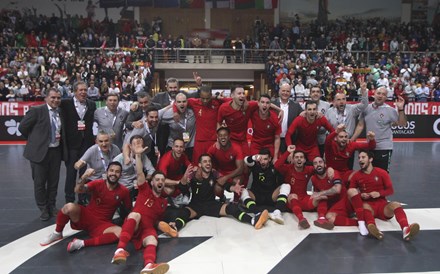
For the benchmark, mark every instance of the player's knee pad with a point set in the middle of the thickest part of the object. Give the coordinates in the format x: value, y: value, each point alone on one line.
x: 285, y: 189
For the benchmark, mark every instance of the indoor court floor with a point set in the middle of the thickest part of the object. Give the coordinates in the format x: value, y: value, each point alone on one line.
x: 225, y: 246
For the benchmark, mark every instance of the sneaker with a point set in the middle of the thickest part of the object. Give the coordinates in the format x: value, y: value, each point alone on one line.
x: 362, y: 228
x: 324, y: 223
x: 152, y: 268
x: 374, y: 231
x: 260, y: 219
x: 120, y: 256
x: 277, y: 217
x: 75, y: 244
x: 303, y: 223
x: 167, y: 229
x: 411, y: 231
x: 53, y: 237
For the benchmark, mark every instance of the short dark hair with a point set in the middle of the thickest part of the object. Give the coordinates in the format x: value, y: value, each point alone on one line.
x: 204, y: 155
x: 369, y: 153
x: 111, y: 95
x: 236, y: 87
x: 300, y: 151
x: 265, y: 151
x: 135, y: 137
x: 223, y: 128
x: 265, y: 96
x: 114, y: 163
x: 150, y: 109
x: 311, y: 102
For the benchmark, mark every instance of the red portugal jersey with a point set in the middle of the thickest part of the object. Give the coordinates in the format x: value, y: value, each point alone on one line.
x: 224, y: 160
x: 298, y: 180
x: 148, y: 205
x: 206, y: 118
x: 321, y: 184
x: 307, y: 132
x: 173, y: 168
x: 265, y: 129
x: 104, y: 202
x: 378, y: 180
x: 236, y: 120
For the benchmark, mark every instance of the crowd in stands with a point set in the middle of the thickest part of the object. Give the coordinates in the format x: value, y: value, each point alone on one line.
x: 402, y: 57
x: 37, y: 52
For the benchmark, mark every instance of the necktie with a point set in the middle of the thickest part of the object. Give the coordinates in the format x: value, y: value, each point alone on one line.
x: 53, y: 124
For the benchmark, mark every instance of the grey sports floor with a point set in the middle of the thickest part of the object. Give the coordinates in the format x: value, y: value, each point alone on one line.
x: 225, y: 246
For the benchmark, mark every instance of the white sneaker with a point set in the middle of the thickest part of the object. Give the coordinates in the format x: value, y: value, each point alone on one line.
x: 277, y: 217
x: 74, y: 245
x: 53, y: 237
x: 152, y: 268
x: 363, y: 228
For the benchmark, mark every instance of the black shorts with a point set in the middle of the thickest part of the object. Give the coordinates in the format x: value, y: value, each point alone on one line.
x: 263, y: 197
x: 382, y: 159
x: 211, y: 208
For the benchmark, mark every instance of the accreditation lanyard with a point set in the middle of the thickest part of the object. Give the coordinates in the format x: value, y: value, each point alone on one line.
x: 102, y: 158
x: 149, y: 133
x: 80, y: 108
x: 114, y: 116
x: 341, y: 117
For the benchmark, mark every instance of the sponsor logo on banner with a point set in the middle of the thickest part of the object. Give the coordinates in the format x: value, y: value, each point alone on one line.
x: 436, y: 127
x: 408, y: 129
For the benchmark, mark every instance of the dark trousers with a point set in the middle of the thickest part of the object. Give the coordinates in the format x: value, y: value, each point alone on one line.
x: 382, y: 159
x: 46, y: 175
x: 71, y: 173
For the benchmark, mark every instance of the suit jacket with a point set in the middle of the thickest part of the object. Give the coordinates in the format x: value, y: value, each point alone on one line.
x: 36, y: 127
x: 105, y: 123
x: 76, y: 139
x: 162, y: 98
x: 294, y: 109
x: 134, y: 116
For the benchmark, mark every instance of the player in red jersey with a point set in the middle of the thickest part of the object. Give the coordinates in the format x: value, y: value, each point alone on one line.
x: 368, y: 190
x: 326, y: 191
x: 235, y: 115
x: 227, y: 158
x: 139, y: 225
x: 205, y: 110
x: 266, y: 129
x: 96, y: 218
x: 339, y: 149
x: 173, y: 165
x: 308, y: 128
x: 297, y: 175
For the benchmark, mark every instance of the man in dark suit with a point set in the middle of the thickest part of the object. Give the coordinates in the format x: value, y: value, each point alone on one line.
x: 138, y: 110
x: 43, y: 127
x: 291, y: 110
x: 164, y: 99
x: 79, y: 112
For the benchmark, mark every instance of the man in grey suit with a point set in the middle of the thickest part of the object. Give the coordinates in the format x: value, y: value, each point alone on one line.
x: 43, y: 127
x: 111, y: 119
x: 291, y: 108
x: 138, y: 110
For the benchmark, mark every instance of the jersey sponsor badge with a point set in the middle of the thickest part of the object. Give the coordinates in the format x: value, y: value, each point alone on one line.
x: 117, y: 197
x: 376, y: 178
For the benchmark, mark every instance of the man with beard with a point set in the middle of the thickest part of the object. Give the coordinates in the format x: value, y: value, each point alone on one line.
x: 339, y: 150
x: 184, y: 128
x: 139, y: 225
x: 326, y: 191
x: 150, y: 134
x: 98, y: 156
x: 369, y: 188
x: 203, y: 202
x: 174, y: 165
x: 235, y: 115
x: 321, y: 107
x: 205, y: 111
x: 106, y: 196
x: 297, y: 177
x: 227, y: 158
x: 379, y: 118
x: 266, y: 129
x: 308, y: 128
x: 343, y: 113
x: 267, y: 188
x: 138, y: 110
